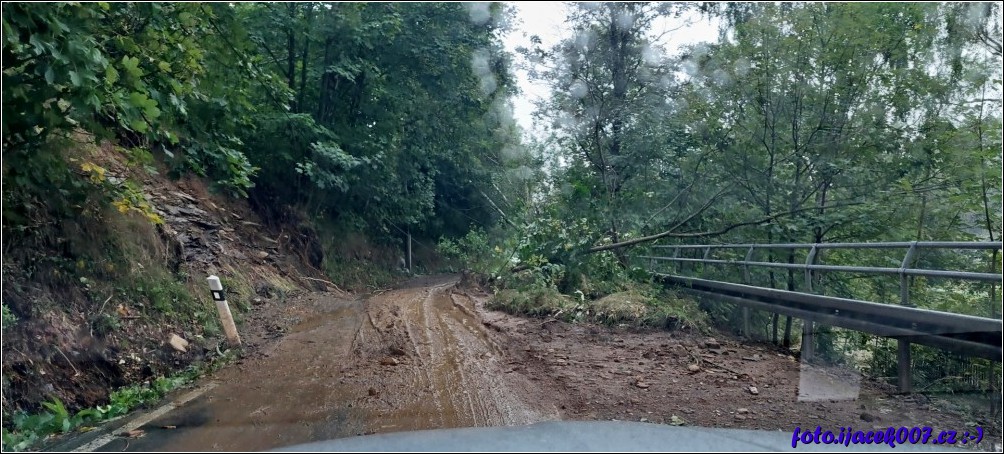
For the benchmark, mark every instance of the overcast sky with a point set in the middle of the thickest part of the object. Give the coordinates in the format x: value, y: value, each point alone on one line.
x: 547, y: 20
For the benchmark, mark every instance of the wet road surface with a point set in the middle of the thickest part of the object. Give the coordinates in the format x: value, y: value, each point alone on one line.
x: 406, y: 359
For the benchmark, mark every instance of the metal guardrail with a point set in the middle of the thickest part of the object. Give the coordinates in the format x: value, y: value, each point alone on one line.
x: 965, y: 334
x: 904, y: 271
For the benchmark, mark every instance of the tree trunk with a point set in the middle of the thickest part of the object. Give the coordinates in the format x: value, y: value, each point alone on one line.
x: 291, y: 46
x: 322, y: 96
x: 618, y: 71
x: 986, y: 208
x: 306, y: 53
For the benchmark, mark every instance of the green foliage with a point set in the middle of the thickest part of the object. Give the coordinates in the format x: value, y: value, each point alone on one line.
x: 306, y: 160
x: 535, y: 301
x: 641, y: 306
x: 844, y: 122
x: 105, y: 324
x: 359, y: 275
x: 327, y: 167
x: 647, y: 306
x: 933, y: 371
x: 323, y: 106
x: 135, y: 72
x: 539, y: 274
x: 359, y: 141
x: 28, y: 429
x: 558, y: 240
x: 868, y: 122
x: 474, y: 251
x: 164, y: 294
x: 8, y: 318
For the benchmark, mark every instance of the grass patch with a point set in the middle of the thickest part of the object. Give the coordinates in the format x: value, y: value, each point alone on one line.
x: 27, y: 430
x: 534, y: 302
x: 664, y: 310
x: 639, y: 307
x: 163, y: 293
x: 360, y: 275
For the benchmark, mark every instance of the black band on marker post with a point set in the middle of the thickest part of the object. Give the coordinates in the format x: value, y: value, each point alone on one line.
x: 218, y: 295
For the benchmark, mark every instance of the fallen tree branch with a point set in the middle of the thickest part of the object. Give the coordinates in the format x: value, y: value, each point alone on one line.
x: 723, y: 367
x: 553, y: 318
x: 501, y: 213
x: 326, y: 282
x: 671, y: 233
x: 75, y: 371
x: 671, y: 202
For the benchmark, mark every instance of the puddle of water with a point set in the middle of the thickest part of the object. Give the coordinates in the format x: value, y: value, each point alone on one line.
x: 336, y: 317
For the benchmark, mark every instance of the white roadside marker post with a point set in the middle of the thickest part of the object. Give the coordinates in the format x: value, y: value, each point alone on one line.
x: 226, y: 318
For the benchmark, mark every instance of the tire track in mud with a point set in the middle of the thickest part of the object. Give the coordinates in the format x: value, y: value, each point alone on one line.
x: 449, y: 370
x: 406, y: 359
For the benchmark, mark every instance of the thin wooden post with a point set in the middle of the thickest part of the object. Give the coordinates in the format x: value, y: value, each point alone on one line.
x: 409, y: 251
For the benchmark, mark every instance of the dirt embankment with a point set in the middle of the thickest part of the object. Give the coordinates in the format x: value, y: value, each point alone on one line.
x: 98, y: 297
x: 429, y: 355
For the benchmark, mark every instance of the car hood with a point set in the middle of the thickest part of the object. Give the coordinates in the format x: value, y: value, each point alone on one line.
x: 611, y: 436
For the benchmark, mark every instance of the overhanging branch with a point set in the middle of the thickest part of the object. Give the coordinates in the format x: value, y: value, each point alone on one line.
x: 671, y: 233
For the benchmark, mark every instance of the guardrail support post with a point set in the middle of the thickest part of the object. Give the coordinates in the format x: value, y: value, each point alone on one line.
x: 903, y: 366
x: 704, y: 265
x: 904, y: 282
x: 807, y: 326
x: 749, y: 279
x: 676, y: 254
x: 807, y: 340
x: 809, y: 261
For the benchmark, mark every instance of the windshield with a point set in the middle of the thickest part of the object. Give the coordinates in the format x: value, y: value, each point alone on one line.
x: 248, y: 226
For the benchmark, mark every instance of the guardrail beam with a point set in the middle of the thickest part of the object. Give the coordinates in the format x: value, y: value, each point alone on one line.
x: 964, y: 334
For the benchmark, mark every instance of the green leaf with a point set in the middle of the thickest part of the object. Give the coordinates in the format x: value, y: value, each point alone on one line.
x: 138, y: 100
x: 138, y: 125
x: 131, y: 66
x: 111, y: 75
x: 151, y: 112
x: 36, y: 43
x: 50, y: 76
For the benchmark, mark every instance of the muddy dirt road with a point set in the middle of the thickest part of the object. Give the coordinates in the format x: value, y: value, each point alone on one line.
x: 429, y: 356
x: 406, y: 359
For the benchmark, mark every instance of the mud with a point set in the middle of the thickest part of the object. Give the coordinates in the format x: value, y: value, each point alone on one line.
x: 406, y: 359
x: 430, y: 356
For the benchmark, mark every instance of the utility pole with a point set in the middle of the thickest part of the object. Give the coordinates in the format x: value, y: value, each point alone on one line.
x: 409, y: 251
